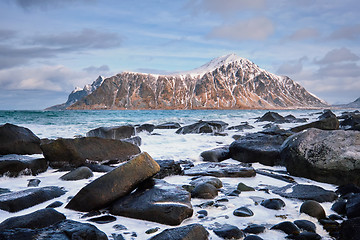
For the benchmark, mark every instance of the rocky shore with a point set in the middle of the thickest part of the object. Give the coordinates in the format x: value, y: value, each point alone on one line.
x: 297, y: 183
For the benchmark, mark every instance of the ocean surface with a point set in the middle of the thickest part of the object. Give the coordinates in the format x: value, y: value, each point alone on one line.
x: 164, y: 144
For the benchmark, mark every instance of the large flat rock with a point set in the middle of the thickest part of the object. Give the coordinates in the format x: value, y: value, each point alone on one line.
x: 114, y: 184
x: 220, y: 170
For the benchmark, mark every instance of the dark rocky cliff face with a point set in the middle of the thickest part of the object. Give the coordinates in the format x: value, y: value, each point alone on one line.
x: 237, y: 84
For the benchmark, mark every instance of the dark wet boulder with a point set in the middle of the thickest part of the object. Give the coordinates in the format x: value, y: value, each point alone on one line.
x: 243, y: 212
x: 228, y: 231
x: 241, y: 127
x: 252, y: 237
x: 74, y: 152
x: 339, y: 207
x: 306, y: 192
x: 64, y: 230
x: 220, y: 170
x: 326, y: 114
x: 34, y: 182
x: 273, y: 203
x: 4, y: 190
x: 134, y: 140
x: 156, y: 201
x: 203, y: 127
x: 325, y: 156
x: 257, y: 147
x: 271, y: 117
x: 216, y: 182
x: 287, y: 227
x: 145, y: 128
x: 205, y: 191
x: 38, y: 219
x: 16, y: 201
x: 244, y: 188
x: 168, y: 168
x: 353, y: 206
x: 216, y: 155
x: 345, y: 189
x: 305, y: 236
x: 305, y: 225
x: 78, y: 174
x: 114, y: 184
x: 313, y: 209
x: 96, y: 167
x: 351, y: 121
x: 55, y: 204
x: 331, y: 226
x: 168, y: 125
x: 14, y: 167
x: 18, y: 140
x: 350, y: 229
x: 254, y: 229
x: 327, y: 121
x: 103, y: 219
x: 192, y: 231
x: 119, y: 132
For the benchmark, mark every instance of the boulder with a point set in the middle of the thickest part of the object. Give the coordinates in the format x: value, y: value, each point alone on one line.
x: 325, y: 156
x: 254, y: 229
x: 350, y: 121
x: 16, y: 201
x: 114, y: 184
x: 18, y: 140
x: 353, y: 206
x: 64, y: 230
x: 241, y: 127
x: 271, y: 117
x: 313, y: 209
x: 273, y: 203
x: 204, y: 190
x: 243, y: 212
x: 216, y: 182
x: 14, y: 167
x: 339, y: 207
x: 350, y: 229
x: 38, y: 219
x: 156, y: 201
x: 118, y: 132
x: 228, y: 231
x: 33, y: 182
x: 306, y: 192
x: 168, y: 168
x: 287, y: 227
x: 244, y: 188
x: 257, y: 147
x: 192, y: 231
x: 78, y: 174
x: 325, y: 123
x: 74, y: 152
x: 305, y: 225
x: 252, y: 237
x: 304, y: 236
x: 134, y: 140
x: 145, y: 127
x: 216, y: 155
x: 203, y: 127
x: 168, y: 125
x: 220, y: 170
x: 103, y: 219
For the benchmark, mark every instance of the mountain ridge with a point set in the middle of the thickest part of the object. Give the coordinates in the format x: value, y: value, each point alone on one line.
x: 227, y: 82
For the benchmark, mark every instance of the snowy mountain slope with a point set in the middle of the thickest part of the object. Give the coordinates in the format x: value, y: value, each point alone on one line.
x: 227, y: 82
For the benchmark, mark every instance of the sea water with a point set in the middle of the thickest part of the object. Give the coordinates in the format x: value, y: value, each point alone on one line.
x: 164, y: 144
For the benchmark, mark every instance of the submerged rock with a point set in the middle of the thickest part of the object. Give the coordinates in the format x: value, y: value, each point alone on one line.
x: 38, y: 219
x: 168, y: 125
x: 78, y: 174
x: 168, y: 168
x: 353, y: 206
x: 204, y: 190
x: 325, y: 156
x: 119, y: 132
x: 216, y: 155
x: 192, y: 231
x: 241, y: 127
x: 158, y: 202
x: 257, y: 147
x: 145, y: 127
x: 74, y: 152
x: 216, y: 182
x: 14, y: 168
x: 203, y: 127
x: 220, y: 170
x: 18, y: 140
x: 327, y: 121
x: 306, y: 192
x: 16, y: 201
x: 115, y: 184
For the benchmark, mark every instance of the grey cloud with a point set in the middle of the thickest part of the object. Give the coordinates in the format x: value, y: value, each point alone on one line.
x: 291, y: 67
x: 338, y: 55
x: 303, y: 34
x: 340, y: 71
x: 251, y: 29
x: 45, y: 4
x: 99, y: 70
x: 84, y: 39
x: 225, y: 7
x: 347, y: 32
x: 6, y: 34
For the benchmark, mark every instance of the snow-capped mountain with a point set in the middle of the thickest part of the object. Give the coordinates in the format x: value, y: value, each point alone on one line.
x: 227, y: 82
x: 79, y: 93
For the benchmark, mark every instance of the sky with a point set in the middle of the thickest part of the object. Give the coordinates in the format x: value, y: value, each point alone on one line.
x: 48, y: 47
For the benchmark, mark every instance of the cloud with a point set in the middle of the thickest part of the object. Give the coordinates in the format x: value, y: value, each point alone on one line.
x: 6, y: 34
x: 99, y: 70
x: 53, y: 78
x: 347, y: 32
x: 337, y: 56
x: 84, y: 39
x: 304, y: 34
x: 45, y: 4
x: 291, y: 67
x: 340, y: 71
x: 226, y: 7
x: 251, y: 29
